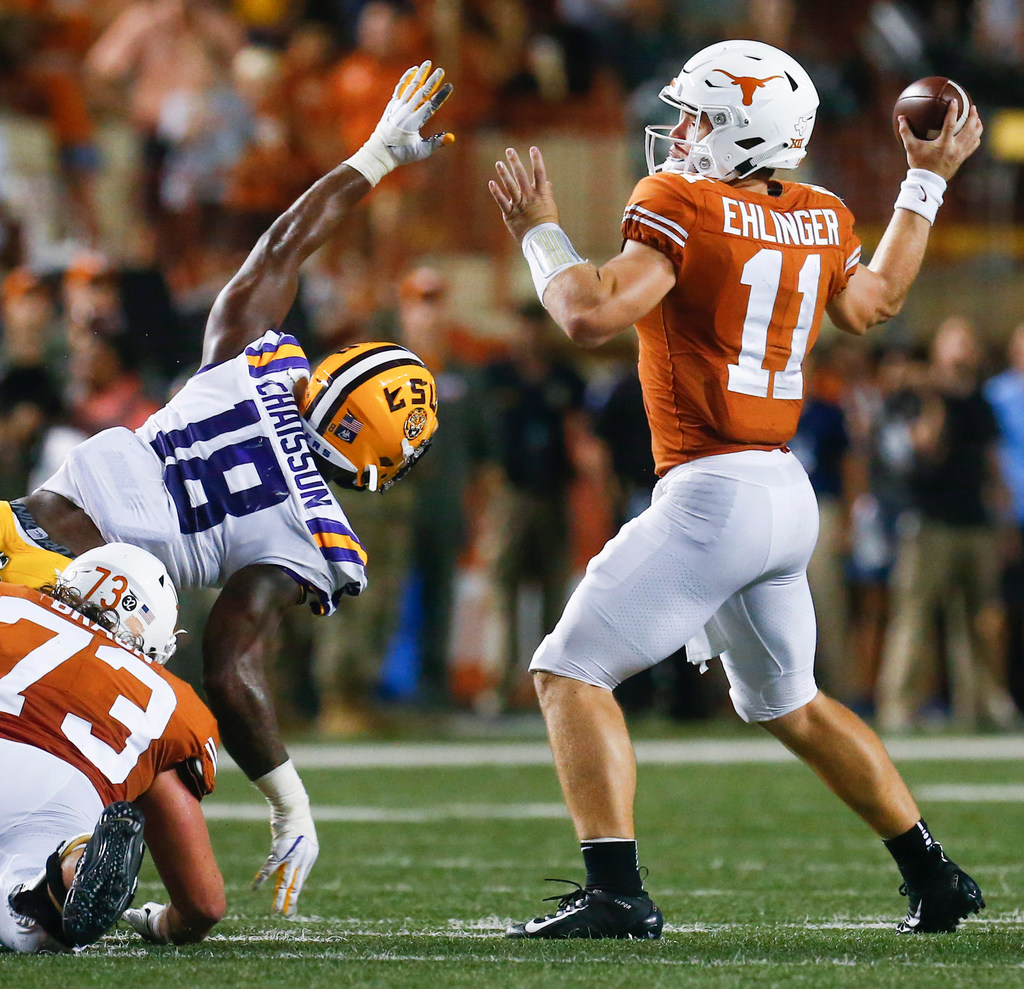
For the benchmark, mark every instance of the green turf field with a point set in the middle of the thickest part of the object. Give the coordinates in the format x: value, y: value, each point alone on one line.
x: 764, y: 879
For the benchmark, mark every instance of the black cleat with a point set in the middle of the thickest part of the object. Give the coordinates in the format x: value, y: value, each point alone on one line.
x: 594, y: 913
x: 941, y: 902
x: 106, y: 875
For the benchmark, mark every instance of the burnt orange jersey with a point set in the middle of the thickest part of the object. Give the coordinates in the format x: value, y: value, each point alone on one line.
x: 721, y: 355
x: 67, y: 687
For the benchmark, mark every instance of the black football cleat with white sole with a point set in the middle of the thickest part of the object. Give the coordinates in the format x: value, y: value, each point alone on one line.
x: 938, y: 904
x: 106, y: 875
x: 594, y: 913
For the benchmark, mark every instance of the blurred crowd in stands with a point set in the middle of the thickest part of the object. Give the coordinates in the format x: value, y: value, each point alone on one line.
x: 231, y: 109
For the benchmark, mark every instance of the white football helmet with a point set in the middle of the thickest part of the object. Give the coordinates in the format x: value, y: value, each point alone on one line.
x: 760, y: 105
x: 135, y: 586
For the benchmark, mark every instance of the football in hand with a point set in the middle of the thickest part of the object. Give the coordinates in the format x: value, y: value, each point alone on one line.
x: 924, y: 104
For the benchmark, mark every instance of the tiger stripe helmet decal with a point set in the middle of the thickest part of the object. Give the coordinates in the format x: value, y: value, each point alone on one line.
x: 371, y: 411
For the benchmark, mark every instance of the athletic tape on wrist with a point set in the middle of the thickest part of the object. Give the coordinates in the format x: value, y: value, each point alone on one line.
x: 283, y: 789
x: 160, y: 924
x: 921, y: 192
x: 548, y: 251
x: 373, y: 160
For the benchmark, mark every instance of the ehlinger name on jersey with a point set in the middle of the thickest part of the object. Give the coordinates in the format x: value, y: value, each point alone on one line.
x: 721, y: 356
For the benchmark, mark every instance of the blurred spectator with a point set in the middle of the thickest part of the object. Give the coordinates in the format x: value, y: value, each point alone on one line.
x: 621, y: 423
x: 268, y: 22
x: 491, y: 39
x: 61, y: 33
x: 308, y: 97
x: 389, y: 38
x: 271, y: 172
x: 415, y: 533
x: 948, y: 563
x: 29, y: 333
x: 822, y: 445
x: 882, y: 412
x: 1005, y: 393
x: 105, y: 388
x: 34, y: 435
x: 91, y: 292
x: 438, y: 524
x: 12, y: 249
x: 155, y: 49
x: 534, y: 396
x: 205, y: 131
x: 642, y: 41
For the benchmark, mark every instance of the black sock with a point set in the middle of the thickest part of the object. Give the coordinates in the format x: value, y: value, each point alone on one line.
x: 913, y: 853
x: 612, y: 865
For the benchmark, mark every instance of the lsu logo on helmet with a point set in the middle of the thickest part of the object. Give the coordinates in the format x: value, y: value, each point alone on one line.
x: 371, y: 411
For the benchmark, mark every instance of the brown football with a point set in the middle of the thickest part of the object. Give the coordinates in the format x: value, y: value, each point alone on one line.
x: 924, y: 104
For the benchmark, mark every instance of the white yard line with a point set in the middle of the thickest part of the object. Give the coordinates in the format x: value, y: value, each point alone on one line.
x: 214, y: 811
x: 407, y: 755
x: 972, y: 793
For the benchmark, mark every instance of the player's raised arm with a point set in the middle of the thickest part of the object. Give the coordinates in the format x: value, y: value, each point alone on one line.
x: 590, y: 304
x: 876, y: 291
x: 262, y: 291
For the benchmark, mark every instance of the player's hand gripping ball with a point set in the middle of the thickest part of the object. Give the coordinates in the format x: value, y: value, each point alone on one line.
x: 924, y: 105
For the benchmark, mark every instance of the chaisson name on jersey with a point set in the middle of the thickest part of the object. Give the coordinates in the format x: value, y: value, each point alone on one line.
x: 279, y: 404
x: 806, y: 227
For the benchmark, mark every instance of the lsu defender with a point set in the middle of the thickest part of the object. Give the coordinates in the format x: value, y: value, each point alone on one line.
x: 727, y: 273
x: 228, y: 483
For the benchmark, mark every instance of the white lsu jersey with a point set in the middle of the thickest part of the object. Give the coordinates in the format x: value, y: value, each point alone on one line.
x: 222, y: 477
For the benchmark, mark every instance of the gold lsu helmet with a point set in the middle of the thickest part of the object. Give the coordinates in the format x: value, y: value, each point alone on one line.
x: 371, y: 411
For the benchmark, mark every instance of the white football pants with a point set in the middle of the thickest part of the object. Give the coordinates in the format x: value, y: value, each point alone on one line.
x: 45, y: 802
x: 717, y: 563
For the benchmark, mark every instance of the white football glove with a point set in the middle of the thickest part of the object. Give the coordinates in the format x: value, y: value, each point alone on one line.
x: 150, y: 920
x: 396, y: 139
x: 294, y: 846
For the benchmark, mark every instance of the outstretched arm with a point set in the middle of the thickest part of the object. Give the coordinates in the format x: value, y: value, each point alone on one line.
x: 240, y: 640
x: 180, y: 845
x: 876, y: 292
x: 259, y: 296
x: 590, y: 304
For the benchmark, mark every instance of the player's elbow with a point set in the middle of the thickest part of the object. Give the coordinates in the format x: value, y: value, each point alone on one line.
x: 584, y: 329
x: 857, y: 320
x: 200, y: 916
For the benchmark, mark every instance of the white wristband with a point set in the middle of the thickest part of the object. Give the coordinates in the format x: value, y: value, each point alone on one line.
x: 548, y: 251
x: 373, y: 160
x: 921, y: 192
x: 284, y: 790
x: 159, y: 923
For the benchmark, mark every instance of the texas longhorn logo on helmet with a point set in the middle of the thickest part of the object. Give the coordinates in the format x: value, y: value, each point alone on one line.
x: 748, y: 84
x: 371, y: 411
